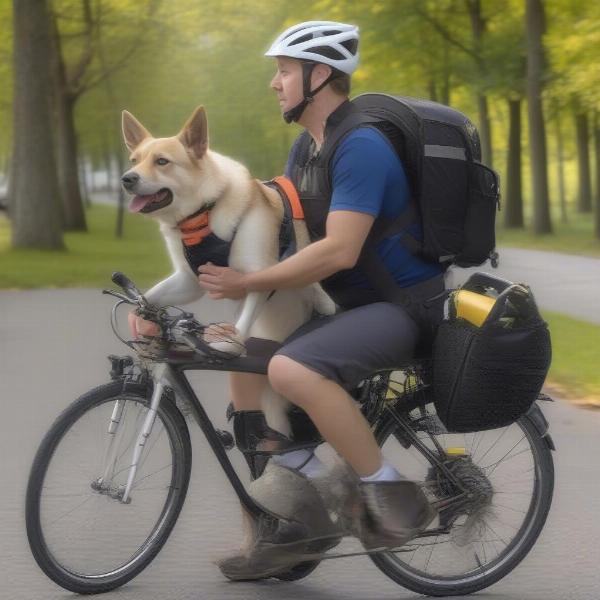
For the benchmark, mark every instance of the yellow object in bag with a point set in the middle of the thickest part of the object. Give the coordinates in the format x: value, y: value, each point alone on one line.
x: 472, y: 307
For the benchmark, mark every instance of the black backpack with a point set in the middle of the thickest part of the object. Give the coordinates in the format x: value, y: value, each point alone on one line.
x: 455, y: 195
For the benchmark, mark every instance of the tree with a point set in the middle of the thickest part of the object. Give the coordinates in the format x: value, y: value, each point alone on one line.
x: 537, y: 133
x: 597, y: 148
x: 35, y: 211
x: 584, y: 195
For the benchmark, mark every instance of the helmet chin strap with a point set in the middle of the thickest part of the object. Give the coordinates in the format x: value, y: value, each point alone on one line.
x: 295, y: 113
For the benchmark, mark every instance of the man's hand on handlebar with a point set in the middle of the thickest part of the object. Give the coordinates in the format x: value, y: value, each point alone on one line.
x: 139, y: 326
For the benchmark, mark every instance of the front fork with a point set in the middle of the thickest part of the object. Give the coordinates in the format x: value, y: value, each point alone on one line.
x: 115, y: 431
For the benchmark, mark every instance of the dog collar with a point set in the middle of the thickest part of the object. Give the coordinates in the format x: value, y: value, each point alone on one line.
x: 196, y: 227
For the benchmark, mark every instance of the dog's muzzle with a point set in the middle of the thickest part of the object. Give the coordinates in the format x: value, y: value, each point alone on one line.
x: 130, y: 180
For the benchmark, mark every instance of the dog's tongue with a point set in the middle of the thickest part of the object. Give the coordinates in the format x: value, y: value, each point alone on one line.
x: 139, y: 202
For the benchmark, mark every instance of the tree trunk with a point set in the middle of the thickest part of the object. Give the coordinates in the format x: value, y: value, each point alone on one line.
x: 121, y: 197
x: 11, y: 179
x: 85, y: 196
x: 597, y: 145
x: 513, y: 199
x: 478, y: 27
x: 432, y: 90
x: 485, y: 130
x: 542, y: 222
x: 66, y: 144
x: 35, y: 203
x: 584, y: 193
x: 560, y: 156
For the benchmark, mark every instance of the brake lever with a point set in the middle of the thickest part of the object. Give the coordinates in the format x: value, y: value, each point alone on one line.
x: 119, y: 295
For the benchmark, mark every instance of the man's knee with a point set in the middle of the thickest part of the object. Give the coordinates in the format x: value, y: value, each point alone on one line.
x: 287, y: 377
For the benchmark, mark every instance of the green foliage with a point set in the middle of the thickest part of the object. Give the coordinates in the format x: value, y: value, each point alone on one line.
x: 90, y: 258
x: 163, y: 58
x: 573, y: 42
x: 575, y: 356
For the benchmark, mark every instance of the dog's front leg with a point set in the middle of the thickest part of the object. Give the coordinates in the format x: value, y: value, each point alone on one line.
x: 180, y: 288
x: 251, y: 306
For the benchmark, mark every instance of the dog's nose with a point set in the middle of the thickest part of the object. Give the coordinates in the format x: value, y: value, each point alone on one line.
x: 129, y: 180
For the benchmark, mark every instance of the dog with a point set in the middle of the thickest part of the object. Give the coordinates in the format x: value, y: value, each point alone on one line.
x: 195, y: 193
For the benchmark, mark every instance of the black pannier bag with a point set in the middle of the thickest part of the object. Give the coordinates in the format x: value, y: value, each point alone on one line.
x: 488, y: 376
x: 456, y: 196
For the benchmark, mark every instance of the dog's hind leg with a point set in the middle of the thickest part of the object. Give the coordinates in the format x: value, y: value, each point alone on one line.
x: 276, y: 408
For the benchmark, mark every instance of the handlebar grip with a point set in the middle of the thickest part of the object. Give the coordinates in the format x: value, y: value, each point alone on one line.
x: 126, y: 284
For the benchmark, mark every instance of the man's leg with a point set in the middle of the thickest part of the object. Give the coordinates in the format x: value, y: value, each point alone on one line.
x: 246, y: 390
x: 331, y: 409
x: 314, y: 370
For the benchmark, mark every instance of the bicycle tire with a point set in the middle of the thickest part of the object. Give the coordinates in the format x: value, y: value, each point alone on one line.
x: 179, y: 440
x: 519, y: 547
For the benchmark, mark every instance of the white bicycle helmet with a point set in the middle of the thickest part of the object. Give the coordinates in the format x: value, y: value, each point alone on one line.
x: 327, y: 42
x: 312, y: 42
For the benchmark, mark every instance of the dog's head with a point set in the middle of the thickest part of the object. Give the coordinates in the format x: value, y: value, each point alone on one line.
x: 167, y: 178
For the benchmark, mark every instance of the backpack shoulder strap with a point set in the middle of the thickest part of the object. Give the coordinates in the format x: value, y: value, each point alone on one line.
x: 354, y: 119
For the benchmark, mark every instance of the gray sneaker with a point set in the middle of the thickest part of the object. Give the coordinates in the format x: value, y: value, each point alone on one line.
x: 282, y: 544
x: 393, y: 513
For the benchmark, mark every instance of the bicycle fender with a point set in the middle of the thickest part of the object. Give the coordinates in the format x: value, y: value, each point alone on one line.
x: 536, y: 416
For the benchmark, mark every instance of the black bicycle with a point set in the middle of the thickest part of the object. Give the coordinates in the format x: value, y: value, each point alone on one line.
x: 111, y: 475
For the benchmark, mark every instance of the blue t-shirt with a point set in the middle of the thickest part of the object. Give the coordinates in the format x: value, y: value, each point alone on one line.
x: 368, y: 177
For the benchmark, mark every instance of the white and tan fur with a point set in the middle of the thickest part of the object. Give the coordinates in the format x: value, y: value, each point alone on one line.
x: 246, y: 212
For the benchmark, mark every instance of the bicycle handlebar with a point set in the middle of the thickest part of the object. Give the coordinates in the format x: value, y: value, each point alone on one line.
x: 183, y: 327
x: 127, y: 286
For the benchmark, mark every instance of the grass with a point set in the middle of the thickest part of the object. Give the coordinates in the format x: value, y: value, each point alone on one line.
x: 576, y: 356
x: 90, y: 258
x: 574, y: 237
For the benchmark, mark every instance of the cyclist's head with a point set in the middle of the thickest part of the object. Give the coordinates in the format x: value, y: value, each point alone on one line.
x: 323, y: 50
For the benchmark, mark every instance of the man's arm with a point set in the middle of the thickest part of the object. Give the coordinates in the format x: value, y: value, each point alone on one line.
x: 346, y: 232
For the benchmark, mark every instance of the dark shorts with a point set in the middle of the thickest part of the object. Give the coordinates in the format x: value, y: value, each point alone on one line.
x: 351, y: 345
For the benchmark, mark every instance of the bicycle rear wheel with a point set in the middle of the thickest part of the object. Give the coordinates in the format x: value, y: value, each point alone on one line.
x: 511, y: 472
x: 80, y: 532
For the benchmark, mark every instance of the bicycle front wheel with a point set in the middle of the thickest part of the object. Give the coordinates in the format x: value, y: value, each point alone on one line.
x: 509, y: 473
x: 81, y: 533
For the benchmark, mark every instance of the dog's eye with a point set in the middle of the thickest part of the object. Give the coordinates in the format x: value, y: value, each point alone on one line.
x: 162, y: 162
x: 132, y: 161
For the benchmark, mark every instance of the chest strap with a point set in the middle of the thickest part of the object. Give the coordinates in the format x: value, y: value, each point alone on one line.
x: 292, y: 210
x: 288, y: 192
x: 196, y: 227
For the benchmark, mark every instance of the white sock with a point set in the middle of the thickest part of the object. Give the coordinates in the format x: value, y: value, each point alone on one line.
x: 386, y: 473
x: 307, y: 460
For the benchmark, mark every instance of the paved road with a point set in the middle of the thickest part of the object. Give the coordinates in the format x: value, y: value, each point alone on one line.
x: 53, y: 346
x: 561, y: 282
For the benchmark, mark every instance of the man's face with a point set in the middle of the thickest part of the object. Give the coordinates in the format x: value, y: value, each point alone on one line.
x: 287, y: 83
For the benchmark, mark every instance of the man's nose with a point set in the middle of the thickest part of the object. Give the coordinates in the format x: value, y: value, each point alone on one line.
x: 275, y: 83
x: 129, y: 180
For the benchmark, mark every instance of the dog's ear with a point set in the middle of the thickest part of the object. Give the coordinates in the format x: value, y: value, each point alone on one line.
x: 133, y: 131
x: 194, y: 134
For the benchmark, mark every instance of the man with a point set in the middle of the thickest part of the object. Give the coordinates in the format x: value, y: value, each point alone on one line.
x: 325, y: 358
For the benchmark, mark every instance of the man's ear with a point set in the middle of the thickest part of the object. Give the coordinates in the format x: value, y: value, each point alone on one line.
x: 133, y: 131
x: 320, y: 73
x: 194, y: 134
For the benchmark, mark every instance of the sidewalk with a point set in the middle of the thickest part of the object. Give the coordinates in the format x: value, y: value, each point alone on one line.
x: 562, y: 283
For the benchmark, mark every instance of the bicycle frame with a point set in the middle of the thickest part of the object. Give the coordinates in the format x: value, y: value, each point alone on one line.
x: 168, y: 376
